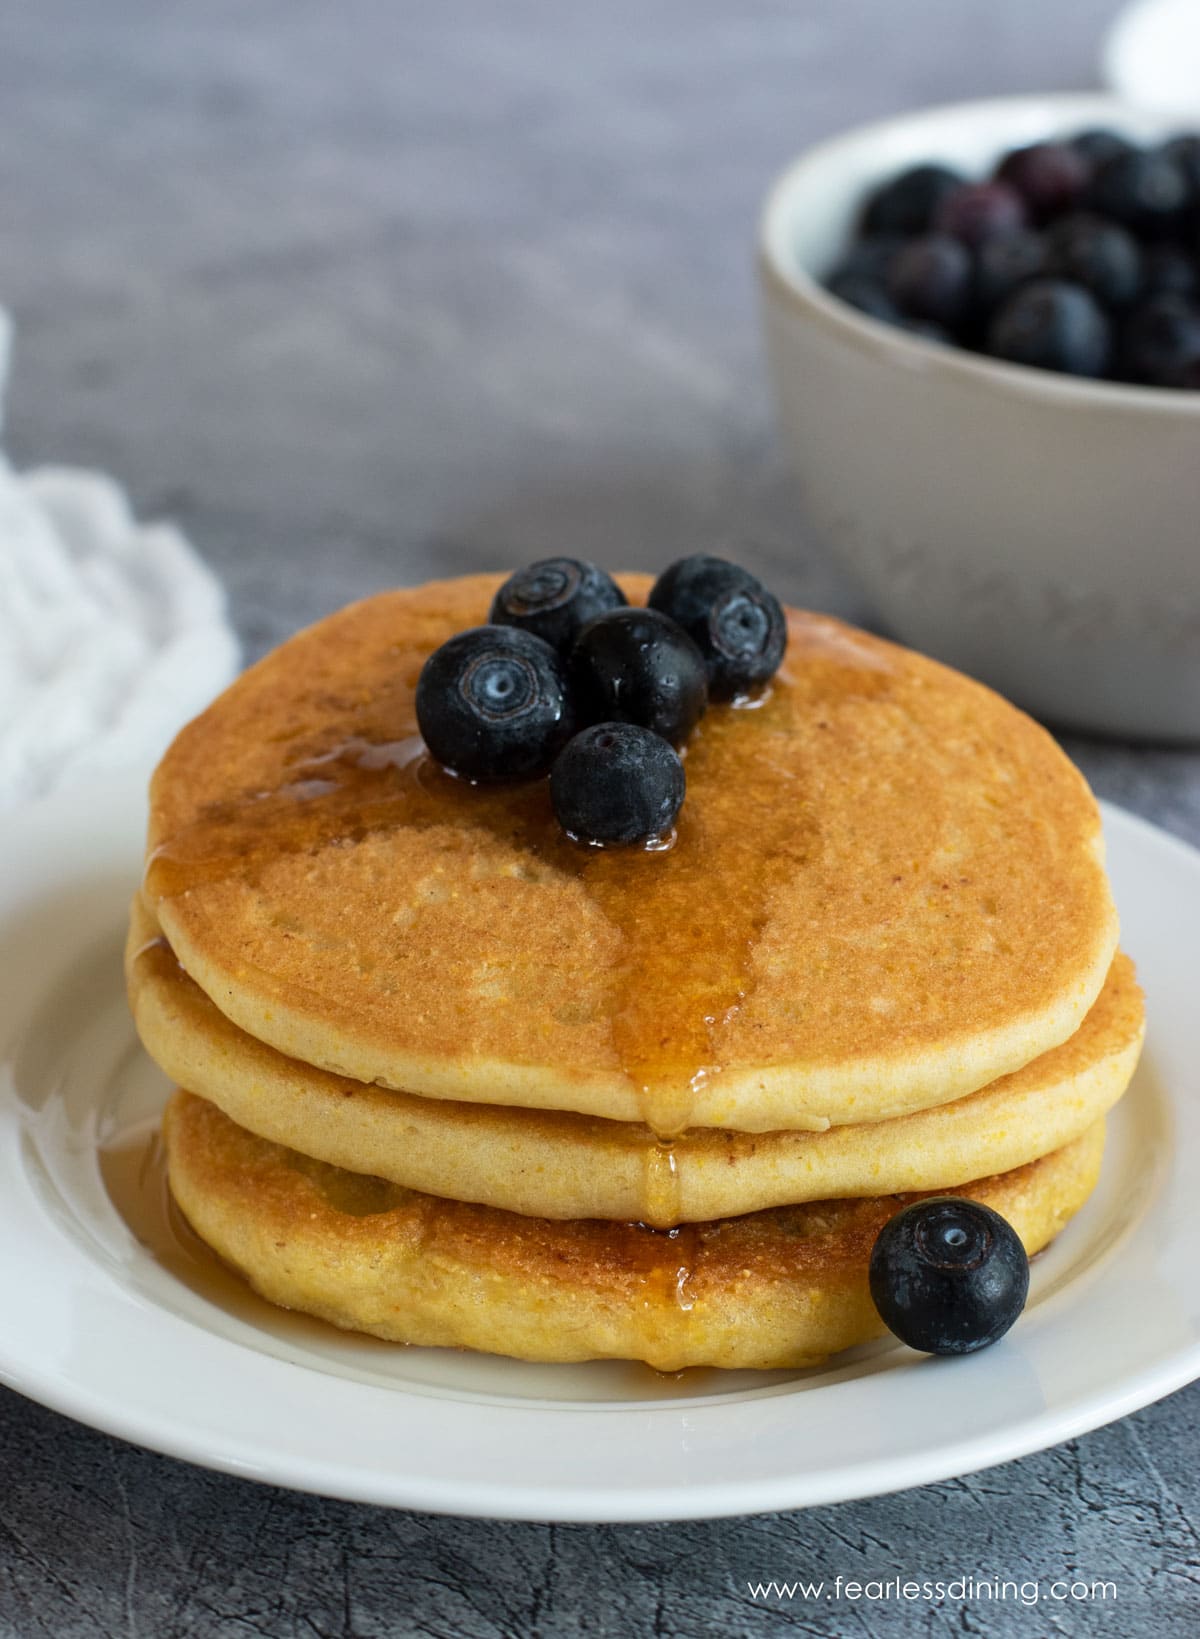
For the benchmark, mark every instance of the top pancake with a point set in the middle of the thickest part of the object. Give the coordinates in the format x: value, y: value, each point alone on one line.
x: 887, y: 889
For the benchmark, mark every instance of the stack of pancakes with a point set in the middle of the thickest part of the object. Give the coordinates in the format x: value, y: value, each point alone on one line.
x: 454, y: 1079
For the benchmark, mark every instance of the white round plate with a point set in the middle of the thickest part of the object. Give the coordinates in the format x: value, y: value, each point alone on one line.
x: 95, y: 1327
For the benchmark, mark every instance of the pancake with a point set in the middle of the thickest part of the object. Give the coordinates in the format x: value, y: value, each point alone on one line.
x: 886, y: 890
x: 552, y: 1165
x: 781, y: 1288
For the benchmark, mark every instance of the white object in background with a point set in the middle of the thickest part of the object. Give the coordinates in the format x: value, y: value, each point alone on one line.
x: 1151, y: 55
x: 112, y: 633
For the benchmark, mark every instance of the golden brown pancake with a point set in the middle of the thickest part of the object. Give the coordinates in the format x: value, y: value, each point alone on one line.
x: 555, y: 1165
x: 887, y: 890
x: 780, y: 1288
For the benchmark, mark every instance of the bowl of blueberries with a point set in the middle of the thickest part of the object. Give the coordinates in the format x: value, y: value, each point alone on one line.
x: 983, y: 328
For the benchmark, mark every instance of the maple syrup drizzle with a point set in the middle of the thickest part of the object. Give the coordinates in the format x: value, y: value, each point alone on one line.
x: 661, y: 1192
x: 669, y: 1262
x: 686, y: 1238
x: 688, y: 958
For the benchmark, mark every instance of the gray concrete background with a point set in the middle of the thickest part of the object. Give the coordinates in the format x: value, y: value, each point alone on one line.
x: 367, y: 291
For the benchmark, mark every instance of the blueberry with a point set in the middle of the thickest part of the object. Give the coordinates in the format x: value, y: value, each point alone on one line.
x: 1052, y: 325
x: 1143, y: 190
x: 1169, y: 271
x: 930, y: 278
x: 492, y: 704
x: 1160, y: 344
x: 948, y: 1275
x: 1099, y: 255
x: 617, y: 783
x: 638, y: 666
x: 867, y: 295
x: 977, y: 211
x: 1098, y: 146
x: 907, y: 203
x: 1003, y: 263
x: 555, y: 598
x: 1185, y: 152
x: 739, y: 626
x: 868, y: 258
x: 1049, y: 176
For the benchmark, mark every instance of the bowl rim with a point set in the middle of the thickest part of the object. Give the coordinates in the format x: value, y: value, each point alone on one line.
x: 785, y: 278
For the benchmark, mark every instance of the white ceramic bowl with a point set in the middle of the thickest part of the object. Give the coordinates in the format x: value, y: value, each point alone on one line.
x: 1038, y: 531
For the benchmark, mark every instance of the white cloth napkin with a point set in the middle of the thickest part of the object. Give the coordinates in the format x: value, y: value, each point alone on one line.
x: 112, y: 633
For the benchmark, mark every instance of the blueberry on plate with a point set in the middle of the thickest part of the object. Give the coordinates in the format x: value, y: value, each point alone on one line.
x: 931, y: 278
x: 1049, y: 176
x: 638, y: 666
x: 906, y: 204
x: 980, y: 210
x: 948, y: 1275
x: 738, y: 625
x: 1052, y: 325
x: 555, y: 598
x: 617, y: 783
x: 1145, y: 190
x: 1101, y: 256
x: 492, y: 704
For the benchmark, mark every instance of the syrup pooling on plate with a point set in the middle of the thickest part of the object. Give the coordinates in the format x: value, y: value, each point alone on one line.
x: 133, y: 1166
x: 358, y: 768
x: 134, y: 1169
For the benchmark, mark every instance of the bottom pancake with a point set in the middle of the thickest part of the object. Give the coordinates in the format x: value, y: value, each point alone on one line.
x: 785, y: 1287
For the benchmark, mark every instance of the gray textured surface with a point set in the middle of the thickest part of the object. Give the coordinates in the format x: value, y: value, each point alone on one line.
x: 364, y: 291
